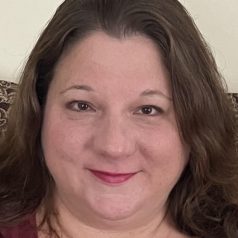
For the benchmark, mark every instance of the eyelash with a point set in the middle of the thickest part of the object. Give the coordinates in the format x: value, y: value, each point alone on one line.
x: 71, y: 106
x: 157, y: 110
x: 153, y: 110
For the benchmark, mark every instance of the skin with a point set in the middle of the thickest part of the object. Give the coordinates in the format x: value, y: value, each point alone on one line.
x: 97, y: 117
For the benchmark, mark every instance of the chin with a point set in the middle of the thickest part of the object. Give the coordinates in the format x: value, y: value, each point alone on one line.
x: 114, y: 208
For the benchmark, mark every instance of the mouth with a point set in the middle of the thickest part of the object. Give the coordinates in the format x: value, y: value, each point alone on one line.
x: 112, y: 178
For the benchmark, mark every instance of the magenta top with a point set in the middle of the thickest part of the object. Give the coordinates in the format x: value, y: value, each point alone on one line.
x: 26, y: 229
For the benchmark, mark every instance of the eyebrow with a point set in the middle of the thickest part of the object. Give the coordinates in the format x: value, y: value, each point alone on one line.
x: 147, y: 92
x: 78, y: 87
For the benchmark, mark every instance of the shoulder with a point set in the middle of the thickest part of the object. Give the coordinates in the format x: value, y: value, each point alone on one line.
x: 26, y: 229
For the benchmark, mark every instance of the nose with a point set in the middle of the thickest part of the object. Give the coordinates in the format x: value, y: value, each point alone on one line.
x: 114, y: 139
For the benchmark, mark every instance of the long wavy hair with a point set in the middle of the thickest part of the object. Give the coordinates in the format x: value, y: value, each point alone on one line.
x: 204, y: 202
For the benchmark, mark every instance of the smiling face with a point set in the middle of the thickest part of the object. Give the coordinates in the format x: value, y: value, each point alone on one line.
x: 109, y: 136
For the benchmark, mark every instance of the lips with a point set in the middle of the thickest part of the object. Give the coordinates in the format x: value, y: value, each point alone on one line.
x: 112, y: 178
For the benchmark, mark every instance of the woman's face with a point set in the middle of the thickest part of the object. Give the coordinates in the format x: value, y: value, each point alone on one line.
x: 109, y: 136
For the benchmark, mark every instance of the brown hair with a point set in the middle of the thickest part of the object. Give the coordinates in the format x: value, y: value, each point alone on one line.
x: 204, y: 202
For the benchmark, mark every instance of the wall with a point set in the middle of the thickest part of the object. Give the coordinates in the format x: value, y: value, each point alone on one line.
x: 21, y: 22
x: 218, y: 22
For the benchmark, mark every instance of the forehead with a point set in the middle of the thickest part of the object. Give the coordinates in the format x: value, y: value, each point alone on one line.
x: 101, y: 60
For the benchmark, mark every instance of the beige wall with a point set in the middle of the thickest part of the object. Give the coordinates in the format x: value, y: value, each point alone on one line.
x: 218, y: 21
x: 21, y: 21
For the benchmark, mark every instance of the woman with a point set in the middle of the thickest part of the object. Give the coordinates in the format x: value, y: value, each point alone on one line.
x: 121, y: 127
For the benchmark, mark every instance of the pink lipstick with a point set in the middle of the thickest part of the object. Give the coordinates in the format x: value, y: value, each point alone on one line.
x: 112, y: 178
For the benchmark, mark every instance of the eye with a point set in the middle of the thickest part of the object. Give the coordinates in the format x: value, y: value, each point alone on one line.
x: 149, y: 110
x: 80, y: 106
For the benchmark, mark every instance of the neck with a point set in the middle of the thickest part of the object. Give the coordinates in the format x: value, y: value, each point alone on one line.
x: 68, y: 226
x: 116, y: 229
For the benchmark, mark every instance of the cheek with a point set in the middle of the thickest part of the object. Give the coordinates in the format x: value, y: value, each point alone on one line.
x: 165, y: 154
x: 63, y: 148
x: 63, y: 137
